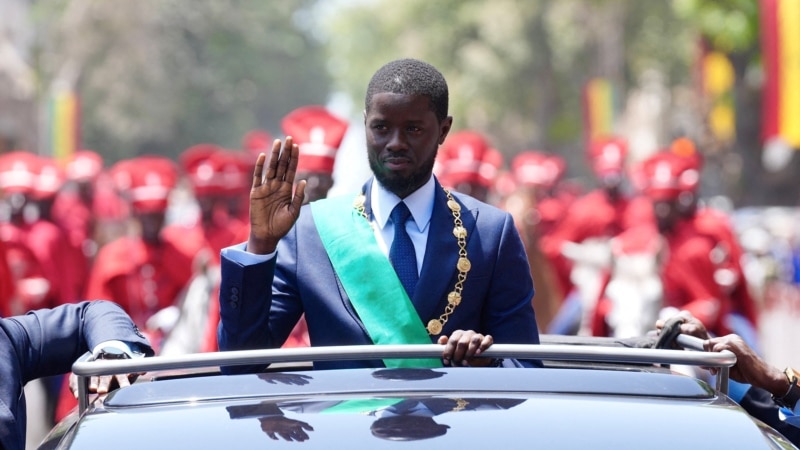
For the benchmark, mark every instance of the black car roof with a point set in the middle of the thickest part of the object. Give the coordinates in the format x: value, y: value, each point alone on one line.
x: 586, y: 397
x: 486, y: 381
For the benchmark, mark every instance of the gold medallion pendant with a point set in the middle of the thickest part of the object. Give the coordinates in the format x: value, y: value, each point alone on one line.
x: 435, y: 326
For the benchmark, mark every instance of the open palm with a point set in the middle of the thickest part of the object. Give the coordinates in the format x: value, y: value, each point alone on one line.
x: 274, y: 200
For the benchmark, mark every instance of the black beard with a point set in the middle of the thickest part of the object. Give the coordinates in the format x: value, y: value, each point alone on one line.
x: 402, y: 187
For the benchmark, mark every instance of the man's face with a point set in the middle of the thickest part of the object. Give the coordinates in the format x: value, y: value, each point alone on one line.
x: 151, y: 224
x: 666, y: 214
x: 403, y: 136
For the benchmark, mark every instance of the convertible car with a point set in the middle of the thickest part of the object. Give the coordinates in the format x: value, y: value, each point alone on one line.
x: 591, y: 393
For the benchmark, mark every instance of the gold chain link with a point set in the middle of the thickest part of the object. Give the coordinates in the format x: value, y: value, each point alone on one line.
x: 460, y: 405
x: 463, y: 265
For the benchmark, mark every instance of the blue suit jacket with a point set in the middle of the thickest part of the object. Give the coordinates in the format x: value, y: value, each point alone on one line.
x: 46, y: 342
x: 260, y: 304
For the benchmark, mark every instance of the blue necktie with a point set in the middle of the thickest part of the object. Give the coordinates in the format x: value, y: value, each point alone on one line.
x: 402, y: 254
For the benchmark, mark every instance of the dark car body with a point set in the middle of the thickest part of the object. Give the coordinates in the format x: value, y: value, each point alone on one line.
x: 592, y: 403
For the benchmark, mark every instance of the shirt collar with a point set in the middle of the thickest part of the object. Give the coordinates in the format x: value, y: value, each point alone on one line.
x: 420, y: 203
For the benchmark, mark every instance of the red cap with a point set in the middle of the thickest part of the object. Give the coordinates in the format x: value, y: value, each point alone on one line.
x: 318, y: 134
x: 467, y: 157
x: 199, y: 168
x: 19, y: 172
x: 146, y: 181
x: 257, y: 141
x: 607, y: 155
x: 234, y: 171
x: 661, y: 175
x: 50, y: 178
x: 532, y: 168
x: 85, y: 165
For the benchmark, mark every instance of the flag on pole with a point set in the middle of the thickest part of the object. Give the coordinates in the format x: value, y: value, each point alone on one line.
x: 718, y: 81
x: 598, y: 109
x: 780, y: 46
x: 64, y: 125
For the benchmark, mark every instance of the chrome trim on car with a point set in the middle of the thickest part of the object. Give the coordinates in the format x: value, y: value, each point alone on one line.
x: 722, y: 360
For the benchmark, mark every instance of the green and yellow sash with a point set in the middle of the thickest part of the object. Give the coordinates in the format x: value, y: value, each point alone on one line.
x: 369, y: 279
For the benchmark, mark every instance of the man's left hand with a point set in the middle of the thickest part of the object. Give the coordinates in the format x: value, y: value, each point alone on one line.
x: 103, y: 384
x: 463, y: 348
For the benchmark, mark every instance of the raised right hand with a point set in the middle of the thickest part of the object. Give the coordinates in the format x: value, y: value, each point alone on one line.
x: 274, y: 200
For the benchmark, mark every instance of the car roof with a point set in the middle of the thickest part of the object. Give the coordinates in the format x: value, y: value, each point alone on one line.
x: 389, y: 381
x: 565, y: 408
x: 572, y: 405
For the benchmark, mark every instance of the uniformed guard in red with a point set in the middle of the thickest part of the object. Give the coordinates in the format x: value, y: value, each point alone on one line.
x: 145, y: 270
x: 319, y: 134
x: 597, y: 217
x: 30, y: 183
x: 467, y: 163
x: 689, y: 269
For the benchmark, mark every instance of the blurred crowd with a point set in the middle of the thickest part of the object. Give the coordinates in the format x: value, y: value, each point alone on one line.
x: 146, y: 232
x: 640, y: 245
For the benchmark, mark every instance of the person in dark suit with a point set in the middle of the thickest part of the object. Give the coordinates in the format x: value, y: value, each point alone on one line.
x: 47, y: 342
x: 456, y: 271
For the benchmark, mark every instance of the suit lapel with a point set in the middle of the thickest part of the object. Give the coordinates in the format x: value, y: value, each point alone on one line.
x: 441, y: 256
x: 441, y: 253
x: 367, y: 191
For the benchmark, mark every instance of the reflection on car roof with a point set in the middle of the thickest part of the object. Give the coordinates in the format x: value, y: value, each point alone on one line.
x: 616, y: 395
x: 365, y: 382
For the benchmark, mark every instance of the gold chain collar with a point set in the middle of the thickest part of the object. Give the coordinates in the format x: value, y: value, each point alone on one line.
x: 463, y: 265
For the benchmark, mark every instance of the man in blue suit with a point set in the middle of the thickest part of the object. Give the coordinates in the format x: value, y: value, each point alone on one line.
x: 452, y: 269
x: 46, y: 342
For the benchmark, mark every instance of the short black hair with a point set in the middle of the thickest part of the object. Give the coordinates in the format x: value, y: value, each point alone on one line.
x: 411, y: 77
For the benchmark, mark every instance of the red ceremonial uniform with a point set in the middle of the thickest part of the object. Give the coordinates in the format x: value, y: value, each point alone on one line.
x: 69, y: 264
x: 7, y: 282
x: 37, y: 179
x: 601, y: 214
x: 28, y: 288
x: 59, y: 263
x: 144, y: 273
x: 728, y: 253
x: 141, y: 277
x: 688, y: 277
x: 690, y: 269
x: 541, y: 173
x: 73, y: 209
x: 215, y: 175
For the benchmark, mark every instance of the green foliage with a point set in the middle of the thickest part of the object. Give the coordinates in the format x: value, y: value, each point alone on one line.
x: 730, y: 25
x: 160, y: 75
x: 516, y: 68
x: 157, y: 76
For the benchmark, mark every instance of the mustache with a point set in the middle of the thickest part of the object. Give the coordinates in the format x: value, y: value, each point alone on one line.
x: 401, y: 154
